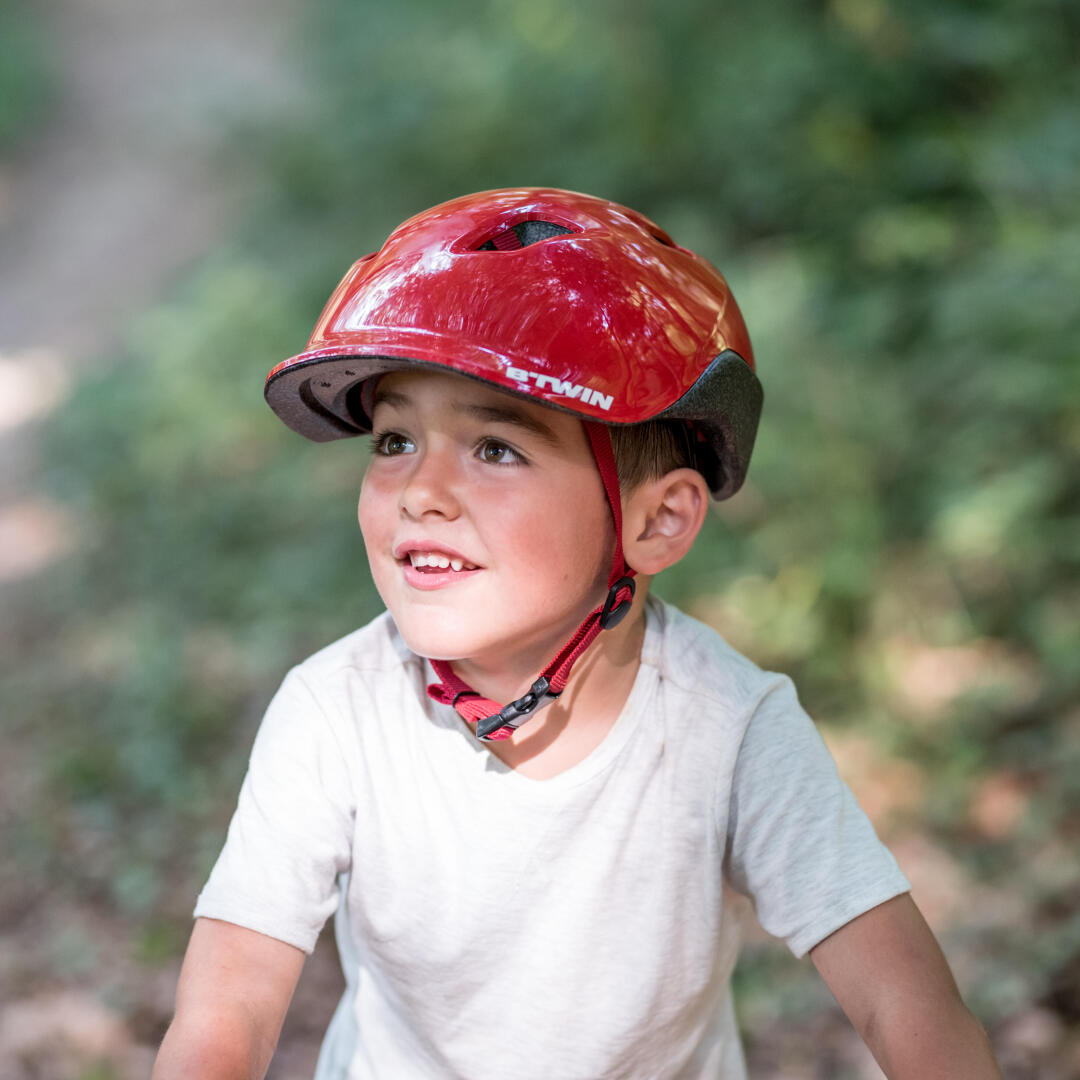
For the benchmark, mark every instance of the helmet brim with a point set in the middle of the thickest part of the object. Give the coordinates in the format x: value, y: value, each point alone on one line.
x: 317, y: 394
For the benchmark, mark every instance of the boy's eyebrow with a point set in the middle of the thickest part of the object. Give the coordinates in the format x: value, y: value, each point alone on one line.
x: 392, y: 398
x: 495, y: 414
x: 507, y: 414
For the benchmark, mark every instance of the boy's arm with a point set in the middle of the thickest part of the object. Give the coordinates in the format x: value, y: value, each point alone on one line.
x: 235, y: 988
x: 888, y: 973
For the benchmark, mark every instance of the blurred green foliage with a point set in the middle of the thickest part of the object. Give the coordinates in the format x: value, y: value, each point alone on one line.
x: 891, y: 191
x: 26, y: 75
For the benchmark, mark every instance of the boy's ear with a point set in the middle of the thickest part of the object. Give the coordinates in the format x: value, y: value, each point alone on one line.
x: 661, y: 519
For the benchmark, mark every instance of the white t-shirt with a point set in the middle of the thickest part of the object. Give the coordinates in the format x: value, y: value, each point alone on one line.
x: 578, y: 928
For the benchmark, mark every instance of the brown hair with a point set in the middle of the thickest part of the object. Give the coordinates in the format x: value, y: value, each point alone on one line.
x: 647, y: 451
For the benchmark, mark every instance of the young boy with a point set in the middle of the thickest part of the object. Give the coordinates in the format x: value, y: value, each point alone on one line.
x: 544, y: 888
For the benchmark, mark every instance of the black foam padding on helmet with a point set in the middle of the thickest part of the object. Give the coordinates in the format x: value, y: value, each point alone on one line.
x: 725, y: 405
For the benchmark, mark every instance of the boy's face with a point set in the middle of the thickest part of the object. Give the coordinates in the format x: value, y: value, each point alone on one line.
x: 498, y: 484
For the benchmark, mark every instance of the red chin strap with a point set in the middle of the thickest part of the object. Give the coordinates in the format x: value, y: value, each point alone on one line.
x: 494, y: 721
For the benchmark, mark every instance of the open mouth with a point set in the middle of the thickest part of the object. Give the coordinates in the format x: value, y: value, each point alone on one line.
x: 437, y: 563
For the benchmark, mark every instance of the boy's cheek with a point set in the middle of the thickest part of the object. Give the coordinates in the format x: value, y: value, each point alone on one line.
x: 370, y: 509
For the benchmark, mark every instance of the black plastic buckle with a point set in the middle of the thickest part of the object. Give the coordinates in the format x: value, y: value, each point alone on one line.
x: 612, y: 613
x: 536, y: 697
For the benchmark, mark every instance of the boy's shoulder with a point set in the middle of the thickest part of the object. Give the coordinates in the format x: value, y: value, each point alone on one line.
x: 374, y: 649
x: 696, y: 659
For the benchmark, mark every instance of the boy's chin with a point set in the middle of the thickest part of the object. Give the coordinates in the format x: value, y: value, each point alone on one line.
x: 457, y: 643
x: 434, y: 642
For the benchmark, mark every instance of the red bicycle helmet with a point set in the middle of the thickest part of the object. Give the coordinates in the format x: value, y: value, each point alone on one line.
x: 559, y: 297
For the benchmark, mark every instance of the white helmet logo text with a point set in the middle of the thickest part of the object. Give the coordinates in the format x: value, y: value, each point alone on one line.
x: 563, y: 387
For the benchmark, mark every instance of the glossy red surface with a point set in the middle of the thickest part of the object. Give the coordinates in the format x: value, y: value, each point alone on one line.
x: 611, y: 319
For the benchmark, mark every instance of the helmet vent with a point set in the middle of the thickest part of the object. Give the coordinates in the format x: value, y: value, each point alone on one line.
x: 522, y: 235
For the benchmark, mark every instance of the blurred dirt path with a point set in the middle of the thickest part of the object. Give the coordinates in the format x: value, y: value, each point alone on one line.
x: 126, y: 183
x: 129, y: 178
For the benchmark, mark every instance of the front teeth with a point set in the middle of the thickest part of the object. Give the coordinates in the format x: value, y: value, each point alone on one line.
x: 418, y: 558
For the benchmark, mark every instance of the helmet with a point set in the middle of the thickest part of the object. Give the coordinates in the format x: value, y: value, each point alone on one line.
x: 569, y: 300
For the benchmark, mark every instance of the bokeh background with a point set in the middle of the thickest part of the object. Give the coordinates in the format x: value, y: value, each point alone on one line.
x: 891, y: 190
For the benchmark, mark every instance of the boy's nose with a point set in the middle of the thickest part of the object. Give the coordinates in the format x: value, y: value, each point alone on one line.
x: 430, y: 488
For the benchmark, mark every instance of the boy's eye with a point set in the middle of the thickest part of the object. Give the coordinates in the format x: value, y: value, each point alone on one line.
x: 391, y: 444
x: 496, y: 453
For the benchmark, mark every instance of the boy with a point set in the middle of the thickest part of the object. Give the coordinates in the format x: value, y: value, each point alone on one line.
x: 543, y: 888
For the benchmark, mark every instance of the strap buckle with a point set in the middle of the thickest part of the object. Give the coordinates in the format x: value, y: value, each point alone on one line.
x: 612, y: 614
x: 536, y: 697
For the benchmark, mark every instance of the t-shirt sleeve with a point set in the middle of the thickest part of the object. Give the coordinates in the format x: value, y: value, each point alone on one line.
x: 798, y: 843
x: 291, y: 834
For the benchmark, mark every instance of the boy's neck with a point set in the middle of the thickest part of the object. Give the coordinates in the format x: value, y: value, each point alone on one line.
x: 568, y: 730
